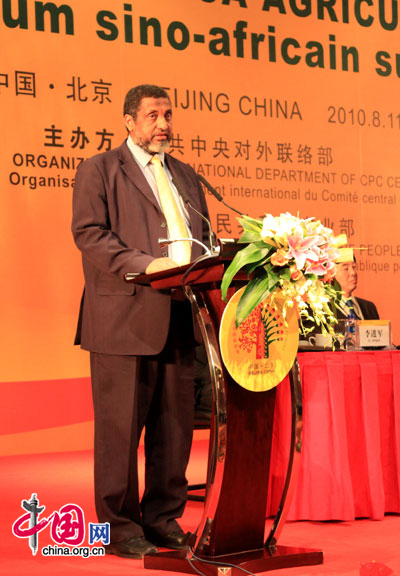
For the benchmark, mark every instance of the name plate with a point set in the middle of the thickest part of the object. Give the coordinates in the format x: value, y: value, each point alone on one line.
x: 374, y: 333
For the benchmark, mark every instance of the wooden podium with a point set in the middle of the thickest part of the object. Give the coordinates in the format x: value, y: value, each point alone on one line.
x: 233, y: 525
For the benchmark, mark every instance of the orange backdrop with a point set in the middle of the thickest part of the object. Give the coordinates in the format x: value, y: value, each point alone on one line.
x: 282, y: 107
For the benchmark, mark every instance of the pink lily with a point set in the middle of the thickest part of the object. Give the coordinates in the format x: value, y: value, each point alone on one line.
x: 319, y: 267
x: 302, y: 249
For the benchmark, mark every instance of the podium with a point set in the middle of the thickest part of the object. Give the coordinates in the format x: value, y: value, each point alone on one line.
x: 232, y: 530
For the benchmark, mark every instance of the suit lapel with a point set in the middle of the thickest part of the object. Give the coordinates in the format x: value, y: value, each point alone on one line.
x: 135, y: 175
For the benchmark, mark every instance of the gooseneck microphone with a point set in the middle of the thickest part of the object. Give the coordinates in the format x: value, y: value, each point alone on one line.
x: 216, y: 194
x: 214, y: 248
x: 167, y: 241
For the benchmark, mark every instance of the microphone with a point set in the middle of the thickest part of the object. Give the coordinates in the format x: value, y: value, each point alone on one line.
x: 214, y: 249
x: 216, y: 194
x: 167, y: 241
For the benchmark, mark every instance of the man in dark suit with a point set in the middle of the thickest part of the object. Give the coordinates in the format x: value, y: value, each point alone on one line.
x: 346, y: 275
x: 140, y: 340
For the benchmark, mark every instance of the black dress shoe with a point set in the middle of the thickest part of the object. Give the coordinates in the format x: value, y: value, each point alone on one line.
x: 133, y: 548
x: 175, y: 540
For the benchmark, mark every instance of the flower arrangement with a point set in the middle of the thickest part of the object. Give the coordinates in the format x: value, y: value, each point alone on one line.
x: 293, y: 257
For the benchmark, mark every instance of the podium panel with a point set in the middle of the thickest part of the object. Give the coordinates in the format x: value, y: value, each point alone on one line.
x: 232, y: 528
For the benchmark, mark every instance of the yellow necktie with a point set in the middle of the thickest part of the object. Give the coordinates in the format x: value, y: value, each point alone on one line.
x: 176, y: 224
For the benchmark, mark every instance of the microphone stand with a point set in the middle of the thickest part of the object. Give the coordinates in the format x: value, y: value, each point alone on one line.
x: 167, y: 241
x: 216, y: 195
x: 214, y: 248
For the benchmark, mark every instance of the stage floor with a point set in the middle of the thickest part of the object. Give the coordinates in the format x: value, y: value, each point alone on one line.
x: 60, y: 479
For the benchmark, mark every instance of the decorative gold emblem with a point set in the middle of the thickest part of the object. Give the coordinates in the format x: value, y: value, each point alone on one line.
x: 260, y: 352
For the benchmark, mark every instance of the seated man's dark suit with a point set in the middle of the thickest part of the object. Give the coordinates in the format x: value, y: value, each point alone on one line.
x: 368, y: 310
x: 141, y: 343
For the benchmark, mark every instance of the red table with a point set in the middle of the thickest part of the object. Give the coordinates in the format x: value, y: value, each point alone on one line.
x: 350, y: 463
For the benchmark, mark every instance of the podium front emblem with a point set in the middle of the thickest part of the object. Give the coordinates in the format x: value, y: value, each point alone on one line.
x: 261, y: 351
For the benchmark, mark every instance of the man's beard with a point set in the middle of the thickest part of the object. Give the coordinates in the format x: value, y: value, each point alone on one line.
x: 153, y: 147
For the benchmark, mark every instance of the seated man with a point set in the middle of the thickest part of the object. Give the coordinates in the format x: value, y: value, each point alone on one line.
x: 346, y: 275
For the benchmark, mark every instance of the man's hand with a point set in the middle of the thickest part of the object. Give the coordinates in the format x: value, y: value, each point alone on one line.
x: 159, y: 264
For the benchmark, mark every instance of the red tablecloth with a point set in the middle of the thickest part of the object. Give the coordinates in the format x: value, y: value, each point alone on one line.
x: 350, y: 461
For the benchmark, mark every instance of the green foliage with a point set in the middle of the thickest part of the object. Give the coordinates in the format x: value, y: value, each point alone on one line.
x: 251, y: 230
x: 257, y: 289
x: 252, y: 253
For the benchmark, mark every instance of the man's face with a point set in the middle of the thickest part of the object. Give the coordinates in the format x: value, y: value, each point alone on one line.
x: 152, y: 129
x: 346, y: 275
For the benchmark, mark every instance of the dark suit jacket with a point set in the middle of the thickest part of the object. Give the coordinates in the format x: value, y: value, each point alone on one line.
x: 367, y: 308
x: 116, y: 225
